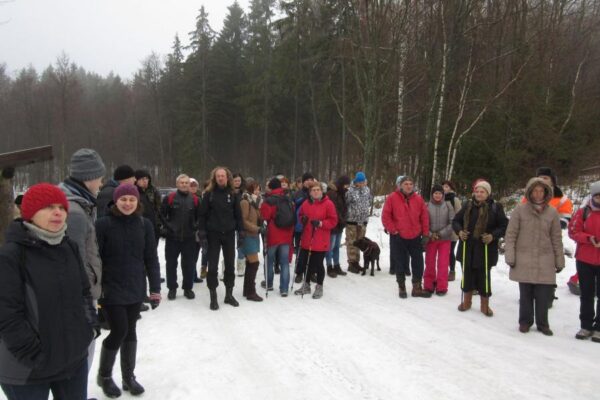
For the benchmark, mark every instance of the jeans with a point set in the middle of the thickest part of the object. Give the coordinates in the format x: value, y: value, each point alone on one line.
x: 333, y: 255
x: 279, y: 253
x: 71, y: 388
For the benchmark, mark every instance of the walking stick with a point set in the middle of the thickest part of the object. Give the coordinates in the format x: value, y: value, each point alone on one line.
x: 462, y: 266
x: 487, y: 284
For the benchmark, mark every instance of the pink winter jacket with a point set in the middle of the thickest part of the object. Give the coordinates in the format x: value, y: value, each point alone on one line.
x: 322, y: 210
x: 406, y: 216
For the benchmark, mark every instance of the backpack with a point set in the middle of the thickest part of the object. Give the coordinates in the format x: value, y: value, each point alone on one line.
x: 172, y: 195
x: 285, y: 216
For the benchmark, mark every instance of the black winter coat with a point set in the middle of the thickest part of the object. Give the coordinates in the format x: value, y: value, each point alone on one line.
x: 127, y: 248
x: 220, y: 211
x: 46, y: 310
x: 475, y: 249
x: 105, y: 198
x: 150, y: 199
x: 339, y: 200
x: 180, y: 216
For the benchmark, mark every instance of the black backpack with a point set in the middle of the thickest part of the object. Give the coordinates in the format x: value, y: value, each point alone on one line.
x: 285, y: 216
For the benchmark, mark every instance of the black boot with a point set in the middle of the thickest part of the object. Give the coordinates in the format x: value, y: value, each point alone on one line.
x: 128, y: 355
x: 105, y: 380
x: 229, y: 299
x: 214, y: 305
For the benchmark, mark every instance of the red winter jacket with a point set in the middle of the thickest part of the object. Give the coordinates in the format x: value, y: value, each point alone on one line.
x: 324, y: 211
x: 581, y: 232
x: 275, y: 234
x: 406, y: 216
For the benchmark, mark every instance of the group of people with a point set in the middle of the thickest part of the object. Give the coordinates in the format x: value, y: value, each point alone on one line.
x: 82, y: 245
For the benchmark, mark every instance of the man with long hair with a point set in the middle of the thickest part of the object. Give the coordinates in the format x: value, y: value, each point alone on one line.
x: 220, y: 217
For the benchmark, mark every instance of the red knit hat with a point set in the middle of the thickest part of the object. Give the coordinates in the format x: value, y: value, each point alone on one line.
x: 41, y: 196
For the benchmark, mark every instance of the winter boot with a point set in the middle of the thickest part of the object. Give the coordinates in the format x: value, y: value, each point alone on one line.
x: 331, y: 272
x: 338, y: 270
x: 249, y: 287
x: 241, y: 267
x: 402, y: 290
x: 354, y: 267
x: 451, y: 276
x: 203, y: 271
x: 144, y: 307
x: 304, y: 289
x: 485, y: 306
x: 596, y: 337
x: 128, y: 356
x: 467, y: 301
x: 318, y: 292
x: 189, y: 294
x: 229, y: 299
x: 172, y: 294
x: 263, y: 284
x: 246, y: 280
x: 214, y: 305
x: 298, y: 278
x: 583, y: 334
x: 104, y: 379
x: 417, y: 291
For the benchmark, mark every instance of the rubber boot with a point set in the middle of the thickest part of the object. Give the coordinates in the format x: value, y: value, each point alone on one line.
x: 104, y: 379
x: 467, y: 301
x: 485, y: 306
x: 229, y: 299
x: 251, y: 271
x: 214, y: 304
x: 128, y: 356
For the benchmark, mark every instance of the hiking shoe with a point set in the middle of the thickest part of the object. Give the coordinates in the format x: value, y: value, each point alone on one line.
x: 583, y: 334
x: 284, y: 294
x: 524, y: 328
x: 144, y: 307
x: 172, y: 294
x: 338, y: 270
x: 298, y: 278
x: 304, y: 289
x: 189, y: 294
x: 331, y: 272
x: 263, y: 285
x: 596, y: 337
x: 318, y: 292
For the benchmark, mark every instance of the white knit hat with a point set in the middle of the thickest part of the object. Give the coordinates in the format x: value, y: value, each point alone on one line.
x: 485, y: 185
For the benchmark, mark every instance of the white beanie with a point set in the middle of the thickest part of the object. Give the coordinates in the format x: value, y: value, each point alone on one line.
x: 485, y: 185
x: 595, y: 188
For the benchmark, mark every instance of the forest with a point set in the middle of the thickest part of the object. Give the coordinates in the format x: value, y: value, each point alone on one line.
x: 456, y: 89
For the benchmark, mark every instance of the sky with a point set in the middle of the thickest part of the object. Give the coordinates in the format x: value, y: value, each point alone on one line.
x: 98, y: 35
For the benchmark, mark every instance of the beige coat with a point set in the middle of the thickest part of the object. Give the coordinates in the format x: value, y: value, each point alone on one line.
x: 533, y: 241
x: 250, y: 216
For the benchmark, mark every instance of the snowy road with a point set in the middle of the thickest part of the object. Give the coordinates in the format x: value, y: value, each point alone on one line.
x: 360, y: 341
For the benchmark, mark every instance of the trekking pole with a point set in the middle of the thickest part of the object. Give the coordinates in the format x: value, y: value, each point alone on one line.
x: 487, y: 284
x: 462, y: 278
x: 292, y: 276
x: 312, y: 236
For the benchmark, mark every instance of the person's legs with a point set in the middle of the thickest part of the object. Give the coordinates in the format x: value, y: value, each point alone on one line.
x: 543, y: 296
x: 283, y: 251
x: 27, y: 392
x: 415, y: 249
x: 352, y: 252
x: 172, y: 251
x: 431, y: 250
x: 272, y: 255
x: 526, y: 296
x: 587, y: 284
x: 213, y: 252
x: 228, y: 245
x: 73, y: 387
x: 443, y: 258
x: 399, y: 256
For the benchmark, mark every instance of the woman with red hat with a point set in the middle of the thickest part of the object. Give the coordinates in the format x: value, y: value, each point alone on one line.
x: 47, y: 318
x: 128, y: 249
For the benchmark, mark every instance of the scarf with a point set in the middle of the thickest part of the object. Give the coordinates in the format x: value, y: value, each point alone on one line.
x: 52, y: 238
x: 482, y: 218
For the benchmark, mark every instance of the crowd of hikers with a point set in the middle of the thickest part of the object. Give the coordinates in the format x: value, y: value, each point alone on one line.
x: 84, y: 249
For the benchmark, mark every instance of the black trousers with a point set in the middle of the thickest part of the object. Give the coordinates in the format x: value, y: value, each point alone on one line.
x: 314, y: 262
x: 534, y: 301
x: 452, y: 256
x: 122, y: 321
x: 403, y: 252
x: 216, y: 242
x: 589, y: 284
x: 187, y: 249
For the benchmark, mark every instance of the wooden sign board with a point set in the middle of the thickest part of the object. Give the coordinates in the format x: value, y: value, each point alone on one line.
x: 25, y: 157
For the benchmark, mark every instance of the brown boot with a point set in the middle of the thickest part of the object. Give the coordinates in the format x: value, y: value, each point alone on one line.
x: 467, y: 300
x: 331, y: 272
x: 417, y: 291
x: 485, y: 307
x: 250, y: 275
x: 402, y: 290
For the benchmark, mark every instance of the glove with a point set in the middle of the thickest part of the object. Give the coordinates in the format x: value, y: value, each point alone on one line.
x: 315, y: 223
x: 435, y: 236
x: 202, y: 239
x: 487, y: 238
x: 463, y: 235
x: 155, y: 299
x: 304, y: 220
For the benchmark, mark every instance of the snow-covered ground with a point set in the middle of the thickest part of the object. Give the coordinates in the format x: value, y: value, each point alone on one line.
x: 360, y: 341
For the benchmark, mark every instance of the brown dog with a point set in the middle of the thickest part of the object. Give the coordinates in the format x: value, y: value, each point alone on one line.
x: 371, y: 252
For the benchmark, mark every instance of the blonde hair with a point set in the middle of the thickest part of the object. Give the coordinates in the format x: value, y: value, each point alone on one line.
x: 213, y: 179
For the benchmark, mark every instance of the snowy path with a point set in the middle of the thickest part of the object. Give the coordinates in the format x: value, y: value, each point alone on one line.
x: 360, y: 341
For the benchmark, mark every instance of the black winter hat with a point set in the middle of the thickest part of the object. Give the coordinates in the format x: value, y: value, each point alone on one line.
x: 142, y: 173
x: 274, y: 184
x: 343, y: 180
x: 546, y: 171
x: 437, y: 188
x: 123, y: 172
x: 307, y: 176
